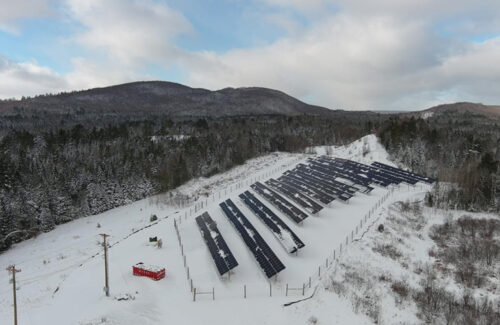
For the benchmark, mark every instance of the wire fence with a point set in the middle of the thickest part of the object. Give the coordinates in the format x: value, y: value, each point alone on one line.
x: 309, y: 283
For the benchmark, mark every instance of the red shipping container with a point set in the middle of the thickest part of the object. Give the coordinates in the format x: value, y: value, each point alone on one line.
x: 150, y: 271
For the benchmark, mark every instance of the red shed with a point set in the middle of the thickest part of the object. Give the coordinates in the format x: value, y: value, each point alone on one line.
x: 151, y: 271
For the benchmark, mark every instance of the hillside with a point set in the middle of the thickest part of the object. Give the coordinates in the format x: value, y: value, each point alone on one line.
x: 462, y: 108
x: 64, y: 268
x: 164, y: 98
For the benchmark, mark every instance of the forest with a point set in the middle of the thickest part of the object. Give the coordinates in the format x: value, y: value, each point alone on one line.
x: 59, y: 173
x: 55, y: 176
x: 460, y: 149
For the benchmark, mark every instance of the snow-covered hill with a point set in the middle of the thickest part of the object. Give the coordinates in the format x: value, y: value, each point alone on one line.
x: 62, y: 274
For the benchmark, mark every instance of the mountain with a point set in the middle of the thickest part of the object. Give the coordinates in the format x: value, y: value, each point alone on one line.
x: 463, y: 108
x: 166, y: 99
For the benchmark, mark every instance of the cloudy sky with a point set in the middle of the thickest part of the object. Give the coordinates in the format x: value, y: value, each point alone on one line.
x: 349, y: 54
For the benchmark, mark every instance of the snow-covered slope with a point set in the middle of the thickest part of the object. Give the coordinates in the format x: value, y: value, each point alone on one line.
x: 63, y: 271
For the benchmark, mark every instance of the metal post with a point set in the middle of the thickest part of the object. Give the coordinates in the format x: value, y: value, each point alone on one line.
x: 12, y: 269
x: 106, y: 279
x: 245, y: 291
x: 286, y: 292
x: 194, y: 294
x: 270, y: 290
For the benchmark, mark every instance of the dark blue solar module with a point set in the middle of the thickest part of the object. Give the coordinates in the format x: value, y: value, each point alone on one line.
x: 221, y: 254
x: 266, y: 258
x: 372, y: 173
x: 279, y: 202
x: 339, y: 172
x: 327, y: 188
x: 326, y: 179
x: 353, y: 168
x: 319, y: 190
x: 293, y: 194
x: 307, y: 190
x: 419, y: 177
x: 362, y: 186
x: 285, y: 235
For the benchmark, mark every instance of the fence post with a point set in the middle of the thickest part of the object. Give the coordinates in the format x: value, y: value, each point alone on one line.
x: 213, y: 293
x: 303, y: 288
x: 194, y: 294
x: 286, y: 292
x: 309, y: 282
x: 245, y: 291
x: 270, y: 290
x: 319, y: 271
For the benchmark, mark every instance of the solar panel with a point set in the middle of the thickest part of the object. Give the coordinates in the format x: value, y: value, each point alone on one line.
x: 373, y: 173
x: 281, y: 231
x: 266, y: 258
x: 325, y: 196
x: 322, y: 186
x: 354, y: 169
x: 301, y: 187
x: 419, y: 177
x: 325, y: 179
x: 295, y: 195
x: 342, y: 173
x: 221, y: 254
x: 280, y: 202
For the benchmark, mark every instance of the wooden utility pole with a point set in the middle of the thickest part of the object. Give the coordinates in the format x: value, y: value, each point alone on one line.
x: 106, y: 286
x: 12, y: 269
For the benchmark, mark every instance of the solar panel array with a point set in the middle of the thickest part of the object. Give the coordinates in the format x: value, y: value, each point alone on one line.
x: 298, y: 197
x: 221, y: 254
x: 400, y: 172
x: 310, y: 186
x: 280, y: 202
x: 285, y: 235
x: 331, y: 170
x: 267, y: 259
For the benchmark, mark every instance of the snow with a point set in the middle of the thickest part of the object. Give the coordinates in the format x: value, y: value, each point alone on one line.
x: 152, y: 268
x: 426, y: 115
x: 64, y: 268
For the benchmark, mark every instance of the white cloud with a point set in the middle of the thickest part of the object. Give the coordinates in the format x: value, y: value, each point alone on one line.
x: 351, y: 54
x: 383, y: 55
x: 27, y: 78
x: 12, y: 12
x: 130, y: 31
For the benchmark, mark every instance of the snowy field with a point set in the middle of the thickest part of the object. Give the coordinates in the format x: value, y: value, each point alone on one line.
x: 62, y: 275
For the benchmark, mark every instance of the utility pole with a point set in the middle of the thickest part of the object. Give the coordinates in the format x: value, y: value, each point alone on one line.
x: 106, y: 286
x: 12, y: 269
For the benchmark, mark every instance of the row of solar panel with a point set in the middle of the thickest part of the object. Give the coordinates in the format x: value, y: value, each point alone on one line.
x: 280, y: 202
x: 306, y: 185
x: 267, y: 259
x: 221, y: 254
x: 362, y: 183
x: 273, y: 222
x: 402, y: 172
x: 364, y: 170
x: 379, y: 173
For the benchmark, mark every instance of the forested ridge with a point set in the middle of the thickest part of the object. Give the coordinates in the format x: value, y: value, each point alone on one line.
x: 458, y: 147
x: 72, y: 155
x: 51, y: 177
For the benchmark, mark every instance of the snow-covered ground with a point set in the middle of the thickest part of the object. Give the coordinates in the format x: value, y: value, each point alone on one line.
x: 62, y: 274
